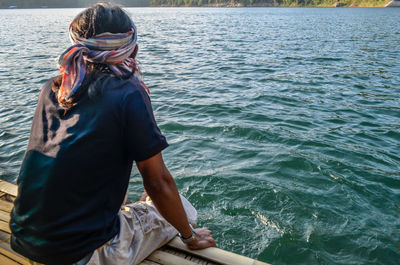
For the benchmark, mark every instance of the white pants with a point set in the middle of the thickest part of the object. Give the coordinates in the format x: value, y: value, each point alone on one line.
x: 142, y: 231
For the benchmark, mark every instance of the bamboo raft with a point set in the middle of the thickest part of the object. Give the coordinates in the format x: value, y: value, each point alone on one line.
x: 174, y: 253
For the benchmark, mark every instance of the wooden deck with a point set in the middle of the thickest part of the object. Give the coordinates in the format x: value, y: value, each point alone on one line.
x: 174, y: 253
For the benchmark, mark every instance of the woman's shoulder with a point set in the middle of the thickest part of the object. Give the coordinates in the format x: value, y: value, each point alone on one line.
x: 47, y: 88
x: 124, y: 87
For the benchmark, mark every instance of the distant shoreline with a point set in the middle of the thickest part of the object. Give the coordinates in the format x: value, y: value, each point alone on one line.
x: 219, y: 4
x: 256, y: 6
x: 205, y: 6
x: 285, y: 4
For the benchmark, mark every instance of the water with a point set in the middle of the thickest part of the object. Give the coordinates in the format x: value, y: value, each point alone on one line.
x: 283, y: 124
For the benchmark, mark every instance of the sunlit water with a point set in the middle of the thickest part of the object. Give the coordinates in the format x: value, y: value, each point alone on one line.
x: 283, y: 124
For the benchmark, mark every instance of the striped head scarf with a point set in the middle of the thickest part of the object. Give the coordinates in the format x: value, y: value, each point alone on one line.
x: 112, y: 49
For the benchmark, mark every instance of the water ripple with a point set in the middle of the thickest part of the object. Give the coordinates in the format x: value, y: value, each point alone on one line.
x: 283, y: 124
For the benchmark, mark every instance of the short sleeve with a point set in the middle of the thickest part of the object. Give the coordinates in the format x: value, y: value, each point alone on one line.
x: 142, y: 136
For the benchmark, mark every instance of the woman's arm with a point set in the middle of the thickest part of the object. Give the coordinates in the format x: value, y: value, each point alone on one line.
x: 162, y: 189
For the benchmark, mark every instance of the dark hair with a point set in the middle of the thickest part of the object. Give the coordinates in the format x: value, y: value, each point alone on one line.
x: 96, y: 19
x: 100, y: 18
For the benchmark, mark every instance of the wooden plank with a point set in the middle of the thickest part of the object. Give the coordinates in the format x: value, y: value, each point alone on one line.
x: 6, y: 250
x: 9, y: 188
x: 5, y: 227
x: 196, y: 260
x: 4, y: 216
x: 191, y: 257
x: 168, y: 259
x: 6, y: 206
x: 175, y: 252
x: 149, y: 262
x: 6, y: 261
x: 14, y: 257
x: 5, y: 240
x: 9, y: 198
x: 216, y: 254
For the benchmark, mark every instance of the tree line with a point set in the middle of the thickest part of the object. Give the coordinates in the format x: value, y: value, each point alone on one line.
x: 144, y: 3
x: 67, y: 4
x: 292, y: 3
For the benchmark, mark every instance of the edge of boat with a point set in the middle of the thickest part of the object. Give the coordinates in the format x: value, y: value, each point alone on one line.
x: 174, y: 253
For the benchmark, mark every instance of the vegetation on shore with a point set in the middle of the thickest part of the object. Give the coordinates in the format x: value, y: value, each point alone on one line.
x: 277, y: 3
x: 211, y: 3
x: 67, y: 4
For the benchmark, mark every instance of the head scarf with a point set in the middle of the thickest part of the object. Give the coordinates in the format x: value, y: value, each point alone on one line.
x: 112, y: 49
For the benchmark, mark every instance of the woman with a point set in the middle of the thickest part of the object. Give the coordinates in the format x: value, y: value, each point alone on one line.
x: 90, y: 124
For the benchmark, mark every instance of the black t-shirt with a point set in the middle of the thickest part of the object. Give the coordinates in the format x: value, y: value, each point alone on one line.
x: 76, y: 170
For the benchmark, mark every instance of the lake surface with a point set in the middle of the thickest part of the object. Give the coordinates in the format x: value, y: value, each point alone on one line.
x: 283, y: 123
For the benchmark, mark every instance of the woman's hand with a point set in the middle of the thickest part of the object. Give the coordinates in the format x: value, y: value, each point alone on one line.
x: 161, y: 187
x: 203, y: 239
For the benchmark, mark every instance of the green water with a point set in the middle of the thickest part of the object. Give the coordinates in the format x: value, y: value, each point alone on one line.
x: 283, y: 124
